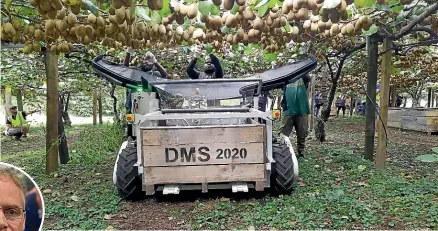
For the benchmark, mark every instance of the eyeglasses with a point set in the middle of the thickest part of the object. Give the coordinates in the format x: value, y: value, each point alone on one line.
x: 13, y: 213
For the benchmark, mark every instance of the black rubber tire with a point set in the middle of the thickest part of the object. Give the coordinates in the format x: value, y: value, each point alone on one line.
x: 282, y: 177
x: 129, y: 184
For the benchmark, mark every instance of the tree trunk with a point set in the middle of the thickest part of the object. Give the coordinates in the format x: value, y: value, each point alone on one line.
x: 325, y: 113
x: 415, y: 101
x: 429, y: 97
x: 52, y: 112
x: 116, y: 113
x: 19, y: 100
x: 94, y: 107
x: 63, y: 147
x: 373, y: 48
x: 100, y: 106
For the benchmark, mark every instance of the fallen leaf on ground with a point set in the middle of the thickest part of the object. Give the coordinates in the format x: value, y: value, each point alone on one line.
x: 362, y: 184
x: 47, y: 191
x: 224, y: 199
x: 251, y: 228
x: 170, y: 218
x: 344, y: 217
x: 301, y: 184
x: 300, y: 179
x: 251, y: 203
x: 55, y: 175
x: 109, y: 228
x: 107, y: 217
x: 75, y: 198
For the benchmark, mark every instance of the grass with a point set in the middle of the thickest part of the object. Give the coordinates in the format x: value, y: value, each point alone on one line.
x: 338, y: 190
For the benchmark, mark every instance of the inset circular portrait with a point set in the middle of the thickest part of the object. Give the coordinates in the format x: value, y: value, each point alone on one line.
x: 21, y: 201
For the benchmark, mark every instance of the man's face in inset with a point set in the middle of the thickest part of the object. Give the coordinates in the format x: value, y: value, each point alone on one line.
x: 12, y: 217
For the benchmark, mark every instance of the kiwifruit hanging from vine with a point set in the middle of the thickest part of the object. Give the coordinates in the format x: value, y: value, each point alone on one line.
x: 34, y: 3
x: 179, y: 18
x: 39, y: 35
x: 342, y: 6
x: 75, y: 9
x: 71, y: 19
x: 61, y: 14
x: 120, y: 15
x: 228, y: 4
x: 117, y: 4
x: 158, y: 4
x: 217, y: 2
x: 56, y: 4
x: 45, y: 5
x: 192, y: 11
x: 240, y: 2
x: 127, y: 3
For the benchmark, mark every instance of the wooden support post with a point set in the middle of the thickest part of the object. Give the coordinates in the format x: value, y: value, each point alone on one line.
x: 100, y: 106
x: 372, y: 48
x: 94, y: 107
x: 52, y: 112
x: 384, y: 94
x: 312, y: 103
x: 433, y: 98
x: 8, y: 101
x: 429, y: 97
x: 19, y: 100
x: 394, y: 96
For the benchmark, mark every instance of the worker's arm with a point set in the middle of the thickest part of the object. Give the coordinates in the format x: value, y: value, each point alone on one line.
x: 217, y: 66
x: 162, y: 71
x: 193, y: 74
x: 127, y: 57
x: 30, y: 112
x: 306, y: 80
x: 283, y: 100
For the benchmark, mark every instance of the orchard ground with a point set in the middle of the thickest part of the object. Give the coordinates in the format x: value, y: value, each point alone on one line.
x: 338, y: 189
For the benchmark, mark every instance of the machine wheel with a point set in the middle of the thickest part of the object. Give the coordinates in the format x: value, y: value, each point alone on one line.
x: 128, y: 183
x: 283, y: 177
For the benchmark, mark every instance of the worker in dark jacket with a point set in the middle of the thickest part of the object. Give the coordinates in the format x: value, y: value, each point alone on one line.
x: 296, y: 110
x: 212, y: 68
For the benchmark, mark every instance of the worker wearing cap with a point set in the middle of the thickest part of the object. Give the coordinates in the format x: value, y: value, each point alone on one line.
x: 16, y: 123
x: 212, y: 67
x: 148, y: 63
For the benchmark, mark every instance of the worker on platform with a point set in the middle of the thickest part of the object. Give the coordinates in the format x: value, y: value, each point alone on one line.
x: 212, y: 67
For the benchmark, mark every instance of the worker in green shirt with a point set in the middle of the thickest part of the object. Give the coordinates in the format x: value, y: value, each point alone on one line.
x: 296, y: 109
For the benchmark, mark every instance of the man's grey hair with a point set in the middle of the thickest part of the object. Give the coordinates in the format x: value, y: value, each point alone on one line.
x: 10, y: 173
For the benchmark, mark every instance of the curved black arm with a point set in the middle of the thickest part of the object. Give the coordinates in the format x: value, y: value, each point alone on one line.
x: 217, y: 65
x: 191, y: 72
